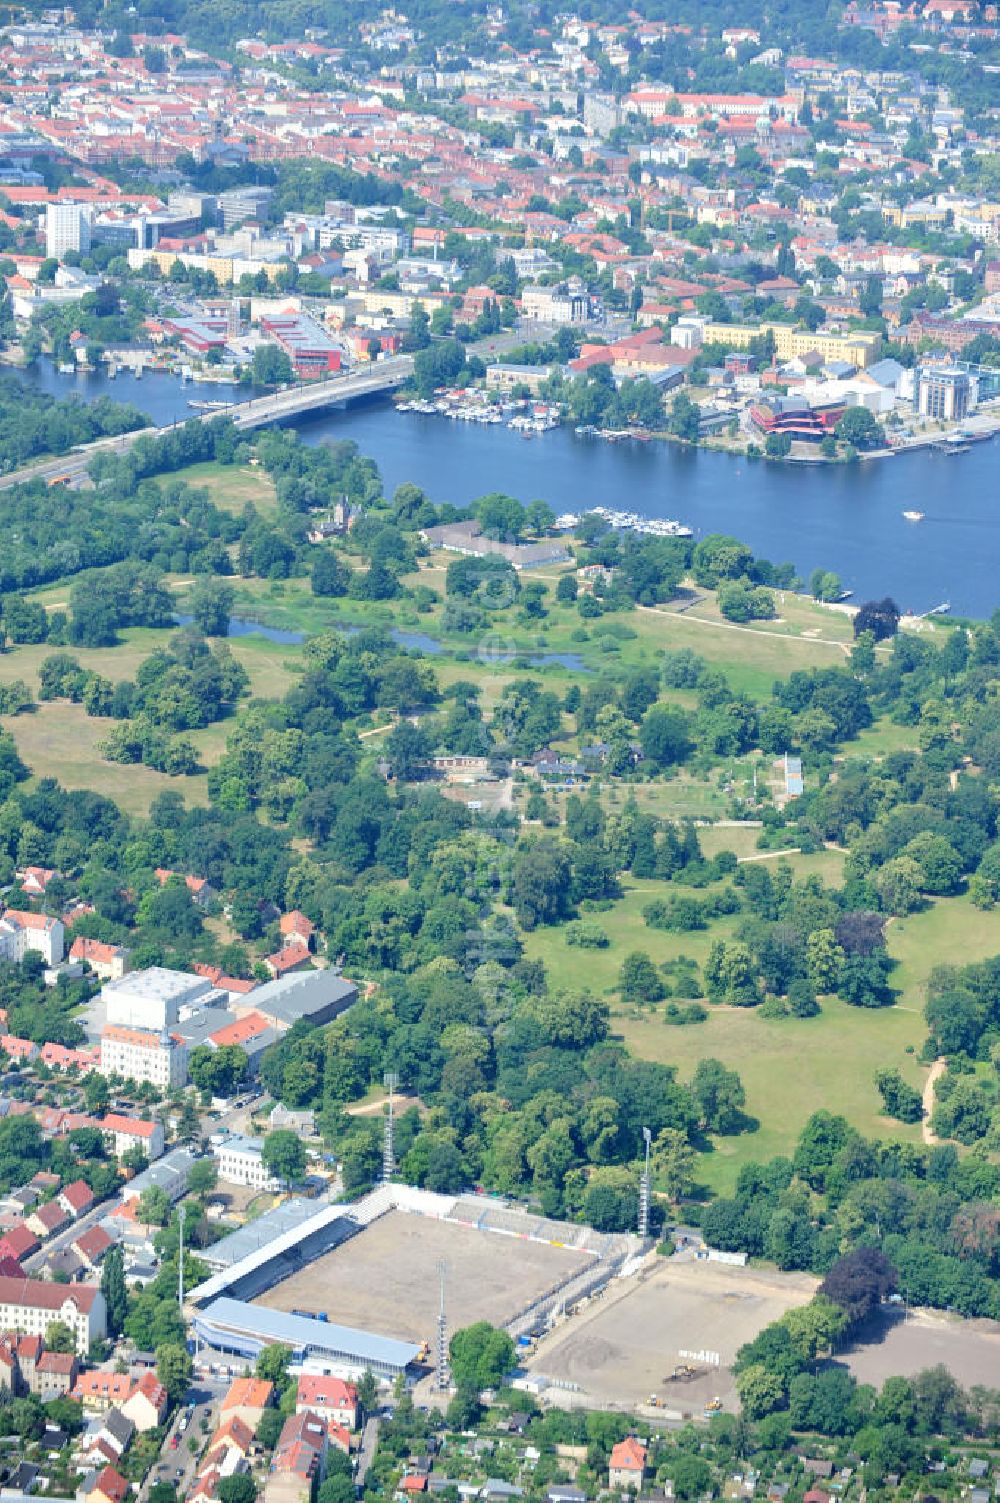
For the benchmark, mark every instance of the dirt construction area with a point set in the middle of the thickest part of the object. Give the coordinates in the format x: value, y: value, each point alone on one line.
x: 622, y: 1347
x: 385, y: 1279
x: 969, y: 1349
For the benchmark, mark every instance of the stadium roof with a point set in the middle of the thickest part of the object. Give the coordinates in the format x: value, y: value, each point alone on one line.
x: 263, y: 1327
x: 264, y: 1244
x: 260, y: 1232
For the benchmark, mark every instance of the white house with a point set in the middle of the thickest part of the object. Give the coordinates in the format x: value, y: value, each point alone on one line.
x: 21, y: 931
x: 241, y: 1162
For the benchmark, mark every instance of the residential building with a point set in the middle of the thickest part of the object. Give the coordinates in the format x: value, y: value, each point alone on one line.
x: 141, y: 1055
x: 240, y: 1162
x: 92, y: 1246
x: 125, y: 1133
x: 54, y: 1375
x: 299, y: 1459
x: 296, y: 929
x: 109, y: 1486
x: 859, y: 348
x: 330, y: 1398
x: 944, y: 393
x: 293, y: 957
x: 31, y: 1306
x: 21, y: 931
x: 100, y: 1391
x: 48, y: 1219
x: 76, y: 1198
x: 67, y: 228
x: 556, y: 305
x: 110, y: 962
x: 627, y: 1465
x: 247, y: 1399
x: 146, y: 1406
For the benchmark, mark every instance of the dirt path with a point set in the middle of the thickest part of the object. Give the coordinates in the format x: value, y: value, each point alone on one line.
x: 843, y: 647
x: 937, y: 1069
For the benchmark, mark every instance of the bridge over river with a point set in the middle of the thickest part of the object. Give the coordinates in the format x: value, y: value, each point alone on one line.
x: 283, y: 406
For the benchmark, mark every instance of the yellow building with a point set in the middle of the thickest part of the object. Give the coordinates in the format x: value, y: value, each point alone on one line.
x: 859, y: 347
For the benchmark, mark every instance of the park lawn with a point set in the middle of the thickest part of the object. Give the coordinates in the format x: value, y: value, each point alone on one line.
x: 881, y: 740
x: 951, y: 931
x: 797, y: 616
x: 231, y: 486
x: 60, y: 741
x: 597, y: 970
x: 750, y: 656
x: 790, y: 1067
x: 269, y: 664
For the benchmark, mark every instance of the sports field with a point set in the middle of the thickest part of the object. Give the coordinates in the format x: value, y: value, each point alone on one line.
x: 385, y: 1279
x: 622, y: 1348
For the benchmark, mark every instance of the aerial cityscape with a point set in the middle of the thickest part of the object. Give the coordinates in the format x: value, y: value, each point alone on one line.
x: 500, y: 752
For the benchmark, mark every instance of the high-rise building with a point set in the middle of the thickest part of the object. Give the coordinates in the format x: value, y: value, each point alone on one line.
x: 67, y: 228
x: 944, y: 393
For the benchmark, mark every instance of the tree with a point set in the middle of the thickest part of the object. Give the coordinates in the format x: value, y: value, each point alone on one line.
x: 330, y: 575
x: 114, y: 1290
x: 59, y: 1337
x: 899, y: 1099
x: 673, y: 1161
x: 284, y: 1155
x: 690, y: 1475
x: 719, y: 1096
x: 203, y: 1177
x: 239, y: 1488
x: 639, y: 979
x: 685, y: 418
x: 880, y: 617
x: 664, y: 735
x: 271, y: 366
x: 154, y: 1206
x: 481, y: 1357
x: 174, y: 1369
x: 273, y: 1364
x: 761, y: 1391
x: 408, y: 750
x: 859, y: 1282
x: 778, y: 445
x: 368, y: 1391
x: 211, y: 604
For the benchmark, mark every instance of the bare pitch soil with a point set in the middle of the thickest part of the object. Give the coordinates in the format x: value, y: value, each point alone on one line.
x: 620, y: 1350
x: 385, y: 1279
x: 969, y: 1349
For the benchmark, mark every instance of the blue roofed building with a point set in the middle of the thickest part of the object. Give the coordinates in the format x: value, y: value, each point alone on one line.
x: 229, y: 1325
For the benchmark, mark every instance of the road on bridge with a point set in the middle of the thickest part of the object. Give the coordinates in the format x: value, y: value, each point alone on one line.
x: 255, y: 412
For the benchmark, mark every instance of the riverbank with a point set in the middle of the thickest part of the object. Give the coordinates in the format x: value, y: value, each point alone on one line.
x: 842, y: 517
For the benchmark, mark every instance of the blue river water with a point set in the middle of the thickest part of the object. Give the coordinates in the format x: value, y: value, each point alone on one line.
x: 842, y: 517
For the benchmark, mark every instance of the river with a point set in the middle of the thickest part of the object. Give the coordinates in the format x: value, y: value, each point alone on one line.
x: 842, y: 517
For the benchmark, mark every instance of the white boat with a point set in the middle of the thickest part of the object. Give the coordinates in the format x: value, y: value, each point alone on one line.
x: 914, y: 516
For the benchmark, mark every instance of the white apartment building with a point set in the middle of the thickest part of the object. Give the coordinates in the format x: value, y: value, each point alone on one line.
x: 141, y: 1054
x: 21, y: 931
x: 67, y: 228
x: 126, y: 1133
x: 31, y: 1306
x: 241, y: 1163
x: 152, y: 999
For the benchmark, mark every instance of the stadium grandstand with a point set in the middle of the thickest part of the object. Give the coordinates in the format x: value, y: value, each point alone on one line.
x: 229, y: 1325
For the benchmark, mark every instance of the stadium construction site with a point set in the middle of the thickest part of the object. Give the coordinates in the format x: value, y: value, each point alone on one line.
x: 361, y: 1285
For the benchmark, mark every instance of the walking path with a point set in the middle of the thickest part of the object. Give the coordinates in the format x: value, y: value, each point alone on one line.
x: 937, y: 1069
